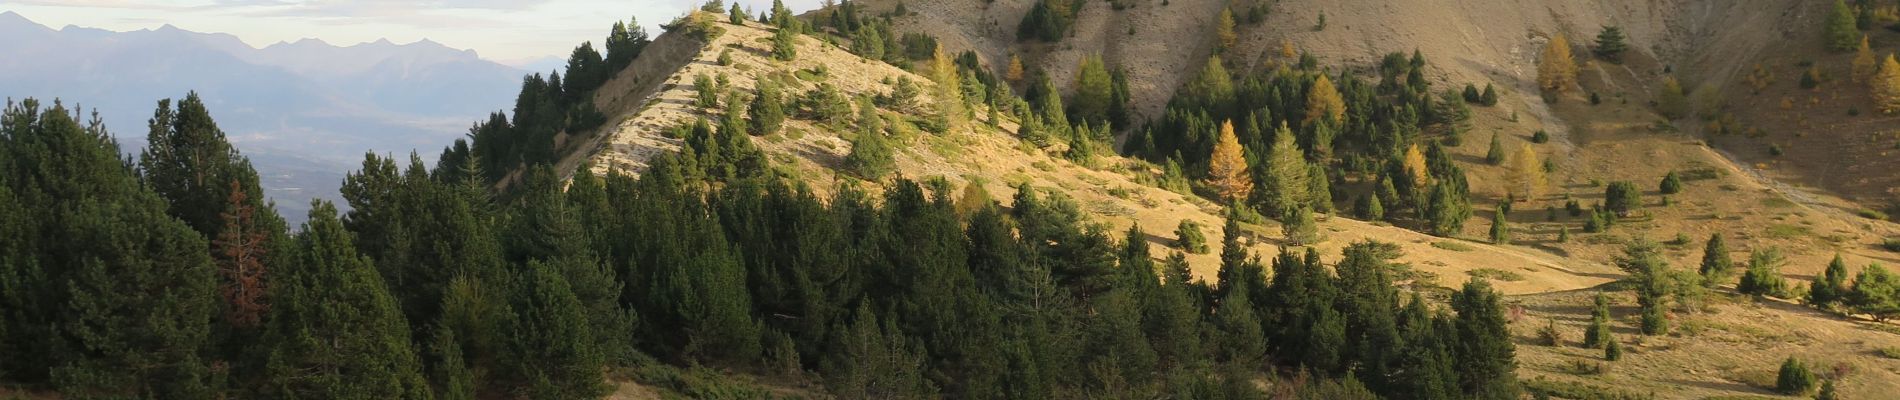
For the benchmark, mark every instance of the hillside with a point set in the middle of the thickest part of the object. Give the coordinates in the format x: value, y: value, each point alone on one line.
x: 646, y: 102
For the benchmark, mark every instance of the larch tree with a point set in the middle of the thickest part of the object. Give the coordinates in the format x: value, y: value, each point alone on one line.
x: 1865, y: 65
x: 1557, y: 68
x: 1416, y: 171
x: 1093, y: 91
x: 1224, y: 30
x: 1323, y: 101
x: 1670, y: 101
x: 1886, y: 86
x: 1015, y: 71
x: 1287, y: 174
x: 949, y: 92
x: 1227, y: 167
x: 1527, y: 173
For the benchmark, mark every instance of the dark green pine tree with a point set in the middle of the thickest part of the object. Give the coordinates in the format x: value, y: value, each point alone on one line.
x: 736, y: 16
x: 768, y: 109
x: 874, y: 360
x: 545, y: 228
x: 106, y: 295
x: 1598, y: 333
x: 1424, y: 364
x: 1610, y: 44
x: 1671, y: 184
x: 1622, y: 197
x: 871, y: 155
x: 1494, y: 156
x: 1241, y: 340
x: 189, y: 162
x: 784, y: 44
x: 334, y: 331
x: 1830, y: 287
x: 1716, y: 264
x: 1483, y: 351
x: 1500, y: 228
x: 625, y: 43
x: 551, y: 354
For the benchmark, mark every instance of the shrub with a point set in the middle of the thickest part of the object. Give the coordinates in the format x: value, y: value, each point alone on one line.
x: 1613, y: 351
x: 1795, y: 378
x: 1869, y: 213
x: 1188, y: 237
x: 1550, y: 335
x: 1892, y: 244
x: 1540, y: 137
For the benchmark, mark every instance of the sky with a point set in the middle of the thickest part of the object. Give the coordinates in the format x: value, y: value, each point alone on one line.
x: 508, y: 31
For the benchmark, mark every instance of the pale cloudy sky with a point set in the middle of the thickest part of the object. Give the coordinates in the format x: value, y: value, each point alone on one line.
x: 502, y: 30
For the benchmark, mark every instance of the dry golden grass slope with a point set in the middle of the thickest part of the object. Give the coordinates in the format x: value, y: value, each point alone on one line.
x: 646, y: 100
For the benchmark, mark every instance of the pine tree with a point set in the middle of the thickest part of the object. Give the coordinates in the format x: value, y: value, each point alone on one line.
x: 1482, y: 351
x: 1368, y: 208
x: 1489, y: 97
x: 1299, y: 227
x: 736, y: 16
x: 1670, y: 100
x: 874, y: 360
x: 1644, y: 262
x: 1830, y: 287
x: 335, y: 331
x: 768, y: 109
x: 1323, y: 102
x: 1865, y: 65
x: 107, y: 296
x: 551, y: 351
x: 240, y: 245
x: 1886, y: 86
x: 1794, y: 378
x: 1500, y: 228
x: 1495, y: 154
x: 1839, y: 31
x: 1610, y: 45
x: 1598, y: 334
x: 1224, y: 34
x: 1715, y: 261
x: 871, y: 156
x: 1827, y: 391
x: 784, y: 44
x: 1527, y: 174
x: 1671, y: 183
x: 1227, y: 168
x: 1622, y: 197
x: 1557, y: 68
x: 1763, y: 277
x: 1612, y: 351
x: 1876, y: 292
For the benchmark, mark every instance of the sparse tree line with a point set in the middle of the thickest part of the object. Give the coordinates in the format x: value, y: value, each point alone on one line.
x: 1289, y: 142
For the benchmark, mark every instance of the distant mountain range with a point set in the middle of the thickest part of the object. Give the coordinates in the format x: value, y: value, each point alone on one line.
x: 304, y: 112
